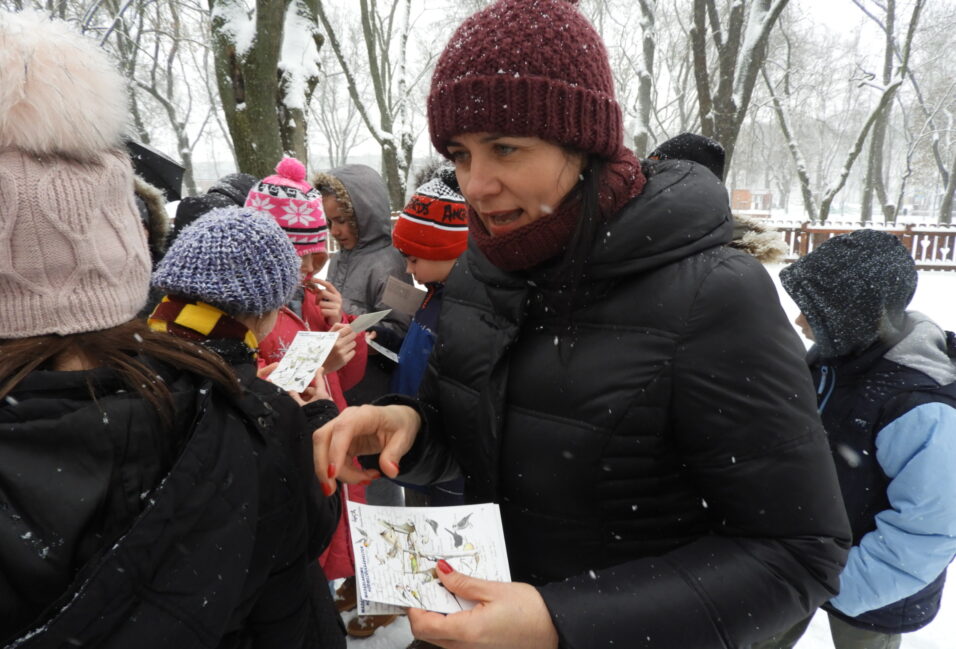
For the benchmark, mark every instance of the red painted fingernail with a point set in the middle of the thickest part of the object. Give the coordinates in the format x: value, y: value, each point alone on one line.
x: 331, y: 471
x: 395, y: 465
x: 375, y: 473
x: 445, y: 567
x: 327, y: 489
x: 365, y: 483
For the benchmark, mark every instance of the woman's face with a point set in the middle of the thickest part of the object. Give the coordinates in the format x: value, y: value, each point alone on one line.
x: 511, y: 181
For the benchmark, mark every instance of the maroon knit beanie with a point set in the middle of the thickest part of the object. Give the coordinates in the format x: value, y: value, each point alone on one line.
x: 527, y: 68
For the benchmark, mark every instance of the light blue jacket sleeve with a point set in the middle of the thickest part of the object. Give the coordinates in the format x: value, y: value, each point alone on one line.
x: 915, y: 540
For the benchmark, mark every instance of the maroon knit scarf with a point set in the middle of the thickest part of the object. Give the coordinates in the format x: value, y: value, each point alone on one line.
x: 548, y: 235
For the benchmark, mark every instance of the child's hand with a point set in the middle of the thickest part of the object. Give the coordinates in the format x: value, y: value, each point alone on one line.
x: 344, y: 349
x: 329, y: 301
x: 314, y: 392
x: 264, y: 371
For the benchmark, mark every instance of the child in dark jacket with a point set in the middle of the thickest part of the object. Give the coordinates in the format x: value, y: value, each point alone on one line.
x: 886, y: 383
x: 225, y: 278
x: 148, y: 498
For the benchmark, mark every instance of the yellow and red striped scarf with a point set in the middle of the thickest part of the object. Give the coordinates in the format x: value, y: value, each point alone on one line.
x: 198, y: 321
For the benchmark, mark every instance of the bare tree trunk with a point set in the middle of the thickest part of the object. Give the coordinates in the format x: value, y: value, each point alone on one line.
x: 799, y: 163
x: 249, y: 86
x: 391, y: 103
x: 946, y: 206
x: 645, y: 80
x: 888, y: 93
x: 741, y: 49
x: 873, y: 181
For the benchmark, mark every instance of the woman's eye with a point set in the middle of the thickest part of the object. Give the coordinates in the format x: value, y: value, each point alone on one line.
x: 458, y: 156
x: 503, y: 149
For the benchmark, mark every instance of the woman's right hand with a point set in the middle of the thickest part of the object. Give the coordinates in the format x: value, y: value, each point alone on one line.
x: 389, y: 431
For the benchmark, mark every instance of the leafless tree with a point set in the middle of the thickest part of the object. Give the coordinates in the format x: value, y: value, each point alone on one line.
x: 266, y: 70
x: 738, y: 41
x: 385, y: 32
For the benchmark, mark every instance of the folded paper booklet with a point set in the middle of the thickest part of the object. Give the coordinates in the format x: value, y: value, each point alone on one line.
x: 384, y: 351
x: 366, y: 320
x: 305, y: 355
x: 396, y: 550
x: 402, y: 297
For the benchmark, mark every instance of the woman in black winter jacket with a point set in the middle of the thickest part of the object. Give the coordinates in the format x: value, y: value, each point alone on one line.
x: 620, y: 381
x: 147, y: 498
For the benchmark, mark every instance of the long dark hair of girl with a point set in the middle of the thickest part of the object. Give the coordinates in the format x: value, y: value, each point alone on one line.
x: 121, y: 348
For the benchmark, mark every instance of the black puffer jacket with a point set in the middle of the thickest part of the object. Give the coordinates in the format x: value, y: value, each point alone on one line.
x: 116, y: 533
x: 662, y: 473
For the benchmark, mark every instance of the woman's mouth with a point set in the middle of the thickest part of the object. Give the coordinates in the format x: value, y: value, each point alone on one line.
x: 501, y: 220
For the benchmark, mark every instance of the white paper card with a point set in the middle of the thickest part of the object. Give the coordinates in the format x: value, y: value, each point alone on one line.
x: 402, y: 297
x: 366, y: 320
x: 384, y: 351
x: 396, y: 550
x: 305, y: 355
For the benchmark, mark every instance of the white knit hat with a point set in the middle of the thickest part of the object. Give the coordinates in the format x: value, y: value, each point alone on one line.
x: 73, y: 254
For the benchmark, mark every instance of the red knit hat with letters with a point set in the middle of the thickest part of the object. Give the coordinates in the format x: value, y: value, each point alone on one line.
x: 434, y: 223
x: 527, y: 67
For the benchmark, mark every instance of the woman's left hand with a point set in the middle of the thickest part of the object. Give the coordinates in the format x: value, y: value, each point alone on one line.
x: 507, y: 615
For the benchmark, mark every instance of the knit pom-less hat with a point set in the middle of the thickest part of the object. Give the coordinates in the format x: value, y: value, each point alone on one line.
x: 527, y: 68
x: 434, y: 223
x: 233, y: 259
x: 294, y: 204
x: 853, y: 290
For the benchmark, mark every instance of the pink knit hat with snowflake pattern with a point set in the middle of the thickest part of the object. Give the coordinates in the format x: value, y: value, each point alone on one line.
x: 294, y: 204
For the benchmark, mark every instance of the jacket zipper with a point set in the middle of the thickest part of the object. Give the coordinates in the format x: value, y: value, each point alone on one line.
x: 827, y: 376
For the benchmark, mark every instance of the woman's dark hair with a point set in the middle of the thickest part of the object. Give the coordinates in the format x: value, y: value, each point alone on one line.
x: 586, y: 194
x: 123, y: 349
x: 567, y: 273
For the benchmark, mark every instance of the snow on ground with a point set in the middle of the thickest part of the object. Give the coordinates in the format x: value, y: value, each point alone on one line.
x: 936, y: 297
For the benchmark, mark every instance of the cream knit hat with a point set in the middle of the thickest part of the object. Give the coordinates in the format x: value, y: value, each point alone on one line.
x: 73, y: 254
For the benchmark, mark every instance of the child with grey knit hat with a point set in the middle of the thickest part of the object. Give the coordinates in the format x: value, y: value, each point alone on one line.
x: 225, y: 277
x: 886, y: 392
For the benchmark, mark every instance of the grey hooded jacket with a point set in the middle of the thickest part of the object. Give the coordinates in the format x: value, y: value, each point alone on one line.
x: 360, y: 274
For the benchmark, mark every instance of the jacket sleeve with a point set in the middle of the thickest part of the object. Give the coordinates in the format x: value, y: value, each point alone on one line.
x: 297, y: 424
x: 743, y: 416
x: 429, y: 461
x: 352, y: 373
x: 915, y: 539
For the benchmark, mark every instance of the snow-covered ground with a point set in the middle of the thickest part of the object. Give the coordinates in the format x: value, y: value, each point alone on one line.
x: 936, y: 297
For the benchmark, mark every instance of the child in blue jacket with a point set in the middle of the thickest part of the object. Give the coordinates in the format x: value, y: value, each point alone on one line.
x: 431, y: 233
x: 885, y: 381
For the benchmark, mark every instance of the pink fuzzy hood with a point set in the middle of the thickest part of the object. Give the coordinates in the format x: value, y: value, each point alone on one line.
x: 59, y: 92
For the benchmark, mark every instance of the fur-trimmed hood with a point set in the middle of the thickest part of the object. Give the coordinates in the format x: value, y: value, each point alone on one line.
x: 59, y: 92
x: 152, y: 212
x: 758, y: 239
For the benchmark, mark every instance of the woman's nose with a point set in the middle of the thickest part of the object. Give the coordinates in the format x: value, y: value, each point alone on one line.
x: 481, y: 181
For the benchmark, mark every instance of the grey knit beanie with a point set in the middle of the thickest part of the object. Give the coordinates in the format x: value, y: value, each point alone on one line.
x: 233, y: 259
x: 853, y: 290
x: 73, y: 255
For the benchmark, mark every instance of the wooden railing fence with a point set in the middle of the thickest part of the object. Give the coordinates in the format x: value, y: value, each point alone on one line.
x: 933, y: 246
